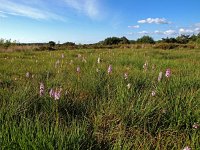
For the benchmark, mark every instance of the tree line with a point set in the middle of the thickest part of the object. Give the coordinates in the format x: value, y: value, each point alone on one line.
x: 182, y: 39
x: 110, y: 42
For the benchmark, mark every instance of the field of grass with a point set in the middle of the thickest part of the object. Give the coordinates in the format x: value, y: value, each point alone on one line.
x: 98, y: 110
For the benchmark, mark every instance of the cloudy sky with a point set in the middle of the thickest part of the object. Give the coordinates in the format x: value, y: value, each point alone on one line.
x: 90, y: 21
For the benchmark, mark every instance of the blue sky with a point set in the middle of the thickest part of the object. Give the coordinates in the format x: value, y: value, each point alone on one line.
x: 90, y: 21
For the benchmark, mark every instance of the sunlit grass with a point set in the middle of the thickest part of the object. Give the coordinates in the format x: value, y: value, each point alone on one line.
x: 98, y: 110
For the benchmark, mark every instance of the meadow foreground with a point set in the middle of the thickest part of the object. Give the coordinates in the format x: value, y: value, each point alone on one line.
x: 100, y: 99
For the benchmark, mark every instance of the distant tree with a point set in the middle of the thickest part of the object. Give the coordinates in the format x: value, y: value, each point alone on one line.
x: 183, y: 39
x: 193, y: 38
x: 7, y: 43
x: 2, y: 41
x: 146, y: 40
x: 169, y: 40
x: 52, y: 43
x: 198, y: 38
x: 115, y: 40
x: 132, y: 41
x: 112, y: 41
x: 124, y: 40
x: 69, y: 44
x: 198, y: 35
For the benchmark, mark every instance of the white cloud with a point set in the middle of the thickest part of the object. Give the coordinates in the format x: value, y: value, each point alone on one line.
x: 158, y: 32
x: 197, y: 30
x: 88, y: 7
x: 186, y: 31
x: 178, y: 32
x: 154, y: 20
x: 14, y: 8
x: 167, y: 32
x: 134, y: 27
x: 143, y: 32
x: 142, y: 21
x: 91, y: 8
x: 170, y: 32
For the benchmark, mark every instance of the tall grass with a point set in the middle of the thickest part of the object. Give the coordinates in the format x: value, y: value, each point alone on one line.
x: 96, y: 109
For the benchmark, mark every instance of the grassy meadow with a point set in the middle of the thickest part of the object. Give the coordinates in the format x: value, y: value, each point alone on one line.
x: 97, y: 109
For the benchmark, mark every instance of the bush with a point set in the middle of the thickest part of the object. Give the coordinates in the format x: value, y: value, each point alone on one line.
x: 52, y: 43
x: 115, y: 41
x: 189, y: 46
x: 146, y: 40
x: 166, y: 46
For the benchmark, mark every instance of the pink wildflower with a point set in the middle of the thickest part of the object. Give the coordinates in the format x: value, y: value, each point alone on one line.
x: 57, y: 94
x: 78, y: 69
x: 110, y: 69
x: 186, y: 148
x: 153, y: 93
x: 125, y: 75
x: 41, y: 89
x: 195, y: 126
x: 51, y: 93
x: 27, y: 74
x: 160, y: 77
x: 98, y: 60
x: 145, y: 66
x: 168, y: 73
x: 129, y: 85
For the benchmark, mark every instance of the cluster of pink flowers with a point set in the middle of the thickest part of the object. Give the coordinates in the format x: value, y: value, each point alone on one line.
x: 167, y: 74
x: 56, y: 94
x: 160, y: 75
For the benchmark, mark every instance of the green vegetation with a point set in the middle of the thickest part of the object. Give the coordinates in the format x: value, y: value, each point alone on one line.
x: 115, y: 40
x: 146, y: 39
x: 98, y: 110
x: 52, y: 43
x: 180, y: 42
